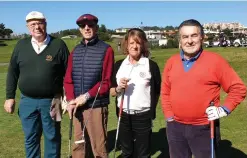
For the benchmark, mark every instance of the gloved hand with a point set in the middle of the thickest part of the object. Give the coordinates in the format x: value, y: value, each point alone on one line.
x: 56, y: 109
x: 214, y: 113
x: 64, y: 104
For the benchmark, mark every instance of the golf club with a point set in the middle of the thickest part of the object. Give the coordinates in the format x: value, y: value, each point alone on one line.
x: 120, y: 111
x: 70, y: 136
x: 119, y: 118
x: 85, y: 122
x: 212, y: 134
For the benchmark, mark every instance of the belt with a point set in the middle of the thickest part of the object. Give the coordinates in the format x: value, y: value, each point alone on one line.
x: 132, y: 112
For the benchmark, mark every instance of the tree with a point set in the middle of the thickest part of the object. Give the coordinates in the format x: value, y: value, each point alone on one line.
x: 5, y: 31
x: 103, y: 33
x: 8, y: 32
x: 169, y: 28
x: 25, y: 35
x: 227, y: 32
x: 103, y: 36
x: 110, y: 31
x: 66, y: 32
x: 155, y: 28
x: 218, y: 27
x: 2, y: 28
x: 102, y: 28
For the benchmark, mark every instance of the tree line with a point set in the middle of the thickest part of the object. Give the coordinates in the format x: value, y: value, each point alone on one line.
x: 103, y: 33
x: 146, y: 28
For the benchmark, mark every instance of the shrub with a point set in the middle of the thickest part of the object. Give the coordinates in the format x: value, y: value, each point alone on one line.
x: 104, y: 36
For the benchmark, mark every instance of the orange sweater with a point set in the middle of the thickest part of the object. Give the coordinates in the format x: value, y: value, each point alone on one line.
x: 186, y: 95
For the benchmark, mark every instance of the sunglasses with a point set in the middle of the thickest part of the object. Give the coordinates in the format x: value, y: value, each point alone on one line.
x: 88, y: 24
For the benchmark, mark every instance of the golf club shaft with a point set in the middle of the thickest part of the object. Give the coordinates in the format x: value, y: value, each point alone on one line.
x: 119, y: 119
x: 212, y: 138
x: 70, y: 134
x: 70, y: 128
x: 212, y: 134
x: 115, y: 146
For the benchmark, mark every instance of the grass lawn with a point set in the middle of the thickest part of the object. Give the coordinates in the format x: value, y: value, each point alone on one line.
x: 233, y: 128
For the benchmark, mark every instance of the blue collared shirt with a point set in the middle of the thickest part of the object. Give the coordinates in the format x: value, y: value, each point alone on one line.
x: 187, y: 64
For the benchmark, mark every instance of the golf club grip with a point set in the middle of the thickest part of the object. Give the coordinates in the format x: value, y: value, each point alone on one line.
x: 212, y: 129
x: 70, y: 128
x: 212, y: 124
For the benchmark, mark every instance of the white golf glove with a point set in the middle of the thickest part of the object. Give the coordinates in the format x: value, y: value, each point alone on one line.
x: 64, y: 104
x: 214, y: 113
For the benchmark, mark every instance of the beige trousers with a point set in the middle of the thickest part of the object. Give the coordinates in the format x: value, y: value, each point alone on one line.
x: 95, y: 133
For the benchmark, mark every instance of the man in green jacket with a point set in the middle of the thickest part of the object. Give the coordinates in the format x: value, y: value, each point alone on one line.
x: 38, y: 65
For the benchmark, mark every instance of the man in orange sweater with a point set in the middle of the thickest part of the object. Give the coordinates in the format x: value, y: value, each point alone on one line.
x: 191, y: 80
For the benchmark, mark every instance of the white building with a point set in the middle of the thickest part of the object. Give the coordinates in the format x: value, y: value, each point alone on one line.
x: 154, y: 34
x: 223, y: 25
x: 151, y: 34
x: 122, y: 30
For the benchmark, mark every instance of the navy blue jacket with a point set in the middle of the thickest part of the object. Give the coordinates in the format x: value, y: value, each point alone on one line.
x: 87, y: 69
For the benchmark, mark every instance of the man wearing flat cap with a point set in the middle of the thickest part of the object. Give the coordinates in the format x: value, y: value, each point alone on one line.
x: 87, y: 83
x: 38, y: 64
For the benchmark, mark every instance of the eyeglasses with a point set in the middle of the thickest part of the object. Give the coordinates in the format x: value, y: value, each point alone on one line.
x: 32, y: 25
x: 84, y: 25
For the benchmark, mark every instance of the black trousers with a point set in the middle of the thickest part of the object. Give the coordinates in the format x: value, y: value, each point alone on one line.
x: 135, y: 135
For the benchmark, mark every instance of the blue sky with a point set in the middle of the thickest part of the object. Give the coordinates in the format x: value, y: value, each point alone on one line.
x: 62, y: 15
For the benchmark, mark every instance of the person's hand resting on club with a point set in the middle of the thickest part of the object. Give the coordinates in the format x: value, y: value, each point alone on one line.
x: 214, y: 113
x: 123, y: 84
x: 70, y: 108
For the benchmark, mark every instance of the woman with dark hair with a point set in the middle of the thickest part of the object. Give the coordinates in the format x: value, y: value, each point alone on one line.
x: 137, y: 79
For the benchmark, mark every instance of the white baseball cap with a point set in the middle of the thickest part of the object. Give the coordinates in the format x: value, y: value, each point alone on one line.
x: 35, y: 15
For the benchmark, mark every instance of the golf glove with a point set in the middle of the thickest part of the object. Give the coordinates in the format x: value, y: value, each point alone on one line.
x: 64, y: 104
x: 56, y: 109
x: 214, y: 113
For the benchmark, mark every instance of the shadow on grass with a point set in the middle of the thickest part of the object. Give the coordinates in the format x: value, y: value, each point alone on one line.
x: 158, y: 144
x: 111, y: 136
x: 226, y: 150
x: 2, y: 43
